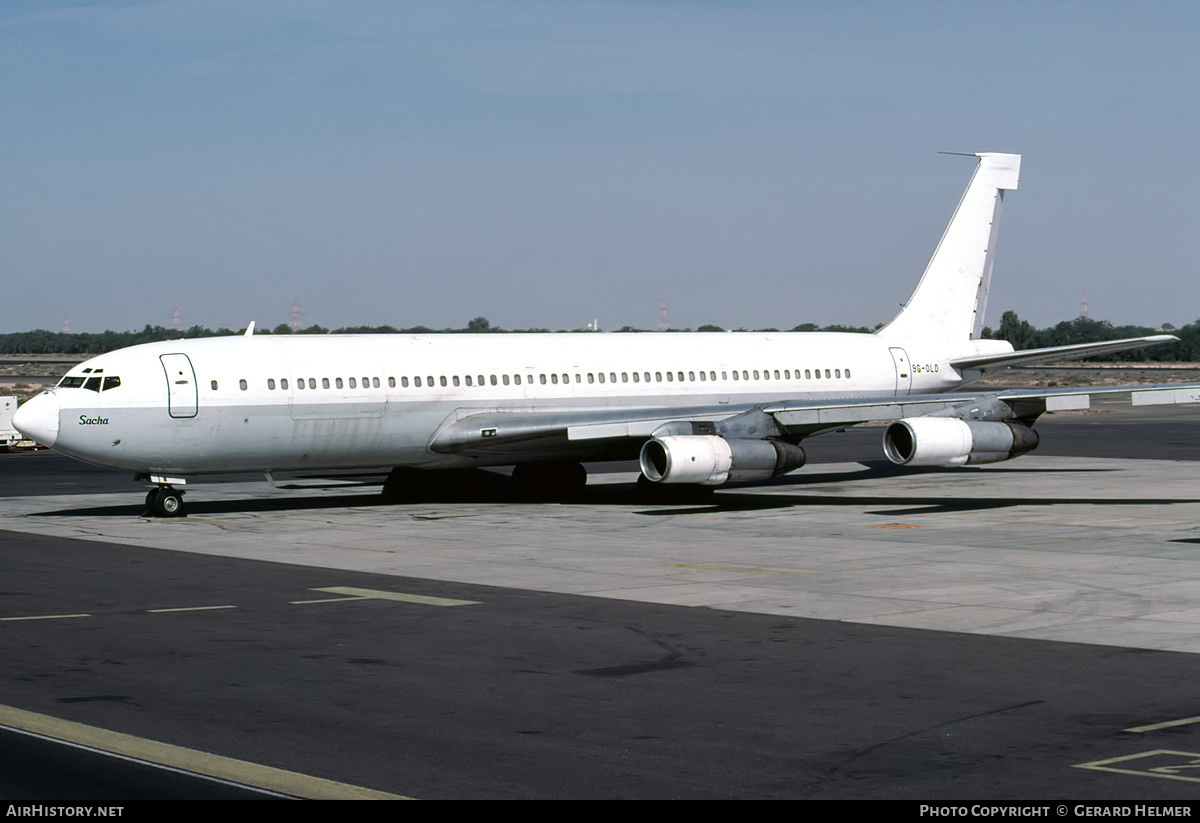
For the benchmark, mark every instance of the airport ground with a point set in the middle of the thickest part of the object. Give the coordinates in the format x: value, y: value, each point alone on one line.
x: 1028, y: 630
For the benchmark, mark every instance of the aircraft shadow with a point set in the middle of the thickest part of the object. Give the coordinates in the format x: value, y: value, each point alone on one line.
x: 483, y: 487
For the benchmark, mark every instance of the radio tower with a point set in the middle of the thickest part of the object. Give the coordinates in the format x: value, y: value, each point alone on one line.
x: 66, y: 325
x: 175, y: 319
x: 663, y: 323
x: 295, y: 314
x: 1083, y: 309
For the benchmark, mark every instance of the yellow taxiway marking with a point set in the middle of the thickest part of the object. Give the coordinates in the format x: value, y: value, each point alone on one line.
x: 189, y: 609
x: 739, y: 569
x: 353, y: 593
x: 45, y: 617
x: 1169, y: 764
x: 154, y: 753
x: 1167, y: 724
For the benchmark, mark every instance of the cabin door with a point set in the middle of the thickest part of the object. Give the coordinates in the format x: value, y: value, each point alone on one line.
x: 181, y: 385
x: 903, y: 371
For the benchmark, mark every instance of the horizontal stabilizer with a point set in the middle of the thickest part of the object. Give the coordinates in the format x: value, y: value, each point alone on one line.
x: 1018, y: 358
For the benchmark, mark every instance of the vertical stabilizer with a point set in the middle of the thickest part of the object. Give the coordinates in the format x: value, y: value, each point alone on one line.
x: 950, y: 299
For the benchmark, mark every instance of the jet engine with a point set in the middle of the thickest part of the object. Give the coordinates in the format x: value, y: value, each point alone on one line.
x: 949, y: 441
x: 708, y: 460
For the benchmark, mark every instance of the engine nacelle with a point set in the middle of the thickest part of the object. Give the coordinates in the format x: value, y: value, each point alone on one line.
x: 708, y: 460
x: 948, y: 441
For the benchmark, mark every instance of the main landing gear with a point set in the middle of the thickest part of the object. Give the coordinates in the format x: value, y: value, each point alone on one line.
x: 549, y: 481
x: 165, y: 501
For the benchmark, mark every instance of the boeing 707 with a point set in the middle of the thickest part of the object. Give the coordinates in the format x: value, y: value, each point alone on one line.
x: 696, y: 409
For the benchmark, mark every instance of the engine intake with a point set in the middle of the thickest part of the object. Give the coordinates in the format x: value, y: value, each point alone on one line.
x: 948, y: 441
x: 708, y: 460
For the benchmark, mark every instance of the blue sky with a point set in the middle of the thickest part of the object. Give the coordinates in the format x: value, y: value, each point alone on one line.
x: 756, y: 164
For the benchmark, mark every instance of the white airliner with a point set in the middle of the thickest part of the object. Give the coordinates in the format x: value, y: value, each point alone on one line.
x: 701, y: 409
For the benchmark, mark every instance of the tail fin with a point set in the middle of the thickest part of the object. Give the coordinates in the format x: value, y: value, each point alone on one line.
x: 950, y: 299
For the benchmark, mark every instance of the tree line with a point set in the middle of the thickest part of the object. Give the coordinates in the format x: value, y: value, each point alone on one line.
x: 1020, y: 333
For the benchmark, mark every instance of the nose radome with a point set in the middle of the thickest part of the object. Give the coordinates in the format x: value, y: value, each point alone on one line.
x: 38, y: 419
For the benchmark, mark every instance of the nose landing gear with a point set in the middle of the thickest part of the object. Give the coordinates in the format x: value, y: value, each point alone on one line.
x: 165, y: 501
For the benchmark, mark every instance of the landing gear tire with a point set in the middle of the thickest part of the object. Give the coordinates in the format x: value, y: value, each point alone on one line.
x: 165, y: 502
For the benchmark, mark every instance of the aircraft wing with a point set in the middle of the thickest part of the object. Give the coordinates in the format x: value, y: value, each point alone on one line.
x: 522, y: 433
x: 806, y: 417
x: 1016, y: 358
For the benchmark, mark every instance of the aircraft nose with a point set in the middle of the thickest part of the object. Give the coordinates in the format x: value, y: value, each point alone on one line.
x: 37, y: 419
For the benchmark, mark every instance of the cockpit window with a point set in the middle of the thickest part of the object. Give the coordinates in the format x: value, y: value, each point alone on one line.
x: 94, y: 382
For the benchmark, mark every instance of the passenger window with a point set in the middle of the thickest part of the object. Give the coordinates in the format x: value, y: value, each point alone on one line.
x: 442, y: 380
x: 505, y: 379
x: 591, y: 377
x: 337, y: 383
x: 454, y: 379
x: 635, y: 377
x: 271, y: 383
x: 493, y: 380
x: 735, y: 376
x: 213, y: 383
x: 807, y: 374
x: 624, y: 377
x: 691, y: 377
x: 553, y: 379
x: 366, y: 381
x: 469, y: 380
x: 242, y: 384
x: 827, y: 374
x: 417, y: 382
x: 837, y: 373
x: 375, y: 382
x: 670, y: 377
x: 324, y: 382
x: 542, y: 377
x: 312, y: 382
x: 283, y: 384
x: 847, y: 374
x: 756, y: 374
x: 391, y: 382
x: 353, y: 383
x: 601, y: 377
